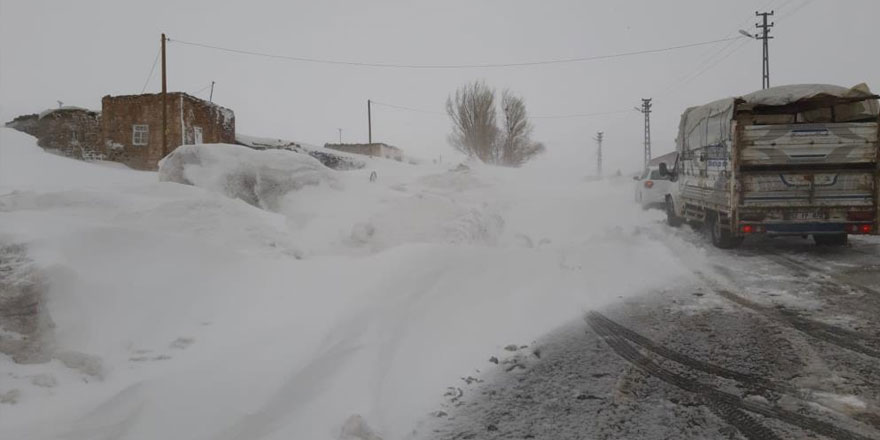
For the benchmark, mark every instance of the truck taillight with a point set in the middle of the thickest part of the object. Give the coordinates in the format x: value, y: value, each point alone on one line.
x: 649, y: 184
x: 752, y: 229
x: 860, y: 229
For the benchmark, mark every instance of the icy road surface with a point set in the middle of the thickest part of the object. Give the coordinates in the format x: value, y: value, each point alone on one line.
x: 438, y: 302
x: 778, y: 340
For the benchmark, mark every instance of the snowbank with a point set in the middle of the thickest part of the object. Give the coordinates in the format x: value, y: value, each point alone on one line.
x: 208, y: 318
x: 260, y: 178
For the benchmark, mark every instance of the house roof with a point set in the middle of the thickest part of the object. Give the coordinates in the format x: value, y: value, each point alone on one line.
x: 66, y: 108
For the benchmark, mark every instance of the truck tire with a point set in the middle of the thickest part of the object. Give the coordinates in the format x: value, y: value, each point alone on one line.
x: 831, y: 240
x: 722, y: 238
x: 671, y: 218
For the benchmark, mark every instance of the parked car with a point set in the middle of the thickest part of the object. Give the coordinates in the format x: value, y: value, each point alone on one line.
x: 652, y: 188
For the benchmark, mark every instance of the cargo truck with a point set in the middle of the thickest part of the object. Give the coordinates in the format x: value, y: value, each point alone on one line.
x: 791, y: 160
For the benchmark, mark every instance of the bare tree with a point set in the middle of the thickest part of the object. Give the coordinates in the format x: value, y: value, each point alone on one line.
x: 517, y: 146
x: 472, y: 111
x: 474, y: 128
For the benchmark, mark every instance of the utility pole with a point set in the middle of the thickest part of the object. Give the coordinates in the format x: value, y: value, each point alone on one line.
x: 765, y: 36
x: 340, y: 135
x: 646, y: 110
x: 164, y: 102
x: 599, y: 136
x: 369, y: 122
x: 211, y: 98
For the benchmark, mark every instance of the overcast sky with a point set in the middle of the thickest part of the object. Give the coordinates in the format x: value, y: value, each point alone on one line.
x: 78, y: 51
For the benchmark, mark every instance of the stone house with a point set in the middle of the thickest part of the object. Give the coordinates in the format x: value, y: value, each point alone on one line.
x: 129, y: 128
x: 375, y: 150
x: 132, y: 126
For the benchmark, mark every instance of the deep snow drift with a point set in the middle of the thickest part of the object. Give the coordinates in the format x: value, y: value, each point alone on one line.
x: 210, y: 318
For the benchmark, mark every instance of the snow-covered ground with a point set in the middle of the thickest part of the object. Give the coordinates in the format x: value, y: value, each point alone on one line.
x: 210, y: 318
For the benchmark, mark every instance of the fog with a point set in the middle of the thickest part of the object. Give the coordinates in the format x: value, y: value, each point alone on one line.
x: 77, y: 52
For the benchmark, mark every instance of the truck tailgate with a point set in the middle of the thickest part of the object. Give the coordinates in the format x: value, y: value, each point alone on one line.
x: 799, y: 144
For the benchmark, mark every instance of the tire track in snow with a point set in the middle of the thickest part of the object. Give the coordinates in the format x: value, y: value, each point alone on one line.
x: 620, y: 346
x: 831, y: 334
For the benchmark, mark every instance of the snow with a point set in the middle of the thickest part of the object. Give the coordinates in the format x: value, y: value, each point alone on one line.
x: 260, y: 178
x: 349, y: 305
x: 47, y: 112
x: 782, y: 95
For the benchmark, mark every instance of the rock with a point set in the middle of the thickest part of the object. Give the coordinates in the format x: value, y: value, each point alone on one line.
x: 10, y: 397
x: 512, y: 347
x: 181, y: 343
x: 25, y: 326
x: 44, y: 381
x: 84, y: 363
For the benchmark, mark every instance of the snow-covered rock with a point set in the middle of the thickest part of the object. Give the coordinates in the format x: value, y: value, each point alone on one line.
x: 260, y: 178
x: 24, y: 321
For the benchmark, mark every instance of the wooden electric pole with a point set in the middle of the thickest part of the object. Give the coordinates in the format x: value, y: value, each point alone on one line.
x: 369, y: 122
x: 164, y: 102
x: 211, y: 98
x: 765, y: 36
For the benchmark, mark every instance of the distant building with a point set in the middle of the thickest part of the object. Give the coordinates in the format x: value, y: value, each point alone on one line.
x: 132, y: 126
x: 375, y: 150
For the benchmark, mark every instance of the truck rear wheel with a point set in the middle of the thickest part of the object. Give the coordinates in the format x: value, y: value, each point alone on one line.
x: 831, y: 240
x: 722, y: 238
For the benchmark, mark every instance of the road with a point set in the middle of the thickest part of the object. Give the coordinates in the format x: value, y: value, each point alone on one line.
x: 777, y: 340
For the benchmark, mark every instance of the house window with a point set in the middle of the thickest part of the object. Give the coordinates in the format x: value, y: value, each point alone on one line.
x: 140, y: 134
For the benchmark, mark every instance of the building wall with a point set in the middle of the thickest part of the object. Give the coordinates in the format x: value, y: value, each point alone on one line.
x: 120, y: 114
x: 216, y: 123
x: 185, y: 113
x: 76, y: 132
x: 374, y: 150
x: 26, y: 123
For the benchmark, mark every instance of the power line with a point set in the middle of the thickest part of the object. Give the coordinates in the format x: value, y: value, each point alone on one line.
x: 412, y: 109
x: 579, y: 115
x: 795, y: 10
x: 202, y: 89
x: 567, y: 116
x: 716, y: 57
x: 687, y: 79
x: 152, y: 69
x: 453, y: 66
